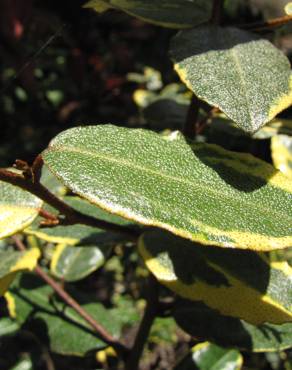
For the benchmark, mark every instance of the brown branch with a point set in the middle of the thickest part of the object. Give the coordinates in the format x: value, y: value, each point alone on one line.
x: 271, y: 23
x: 70, y: 301
x: 72, y: 216
x: 189, y: 129
x: 217, y: 11
x: 151, y: 311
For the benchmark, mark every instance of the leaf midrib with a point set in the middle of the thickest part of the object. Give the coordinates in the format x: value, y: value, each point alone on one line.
x: 163, y: 174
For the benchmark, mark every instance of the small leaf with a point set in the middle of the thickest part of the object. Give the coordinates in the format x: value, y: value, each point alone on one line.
x: 241, y: 284
x: 51, y: 320
x: 8, y: 327
x: 206, y: 324
x: 206, y: 356
x: 245, y: 76
x: 281, y: 147
x: 205, y: 194
x: 18, y: 209
x: 12, y: 261
x: 167, y: 13
x: 277, y: 126
x: 75, y: 263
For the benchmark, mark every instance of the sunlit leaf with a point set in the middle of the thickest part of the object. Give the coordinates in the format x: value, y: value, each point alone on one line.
x: 18, y: 209
x: 245, y: 76
x: 205, y: 194
x: 206, y: 356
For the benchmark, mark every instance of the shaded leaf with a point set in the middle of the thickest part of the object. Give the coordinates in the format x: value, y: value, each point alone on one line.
x: 208, y: 356
x: 8, y: 327
x: 281, y: 146
x: 78, y: 233
x: 237, y: 283
x: 18, y: 209
x: 207, y: 194
x: 65, y: 332
x: 206, y: 324
x: 167, y: 13
x: 75, y: 263
x: 12, y: 261
x: 245, y: 76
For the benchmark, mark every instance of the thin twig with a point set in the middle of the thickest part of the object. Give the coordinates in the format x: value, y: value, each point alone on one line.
x: 72, y: 216
x: 70, y: 301
x: 189, y: 129
x: 217, y: 11
x: 151, y: 311
x: 271, y: 23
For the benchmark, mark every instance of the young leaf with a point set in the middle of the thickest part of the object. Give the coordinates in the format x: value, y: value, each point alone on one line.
x: 281, y: 146
x: 18, y: 209
x: 167, y: 13
x: 75, y: 263
x: 32, y: 302
x: 206, y: 324
x: 245, y: 76
x: 206, y: 356
x: 12, y: 261
x: 205, y: 194
x: 242, y: 284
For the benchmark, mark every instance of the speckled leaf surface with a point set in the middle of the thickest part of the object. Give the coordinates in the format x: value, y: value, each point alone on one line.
x: 32, y: 302
x: 79, y: 234
x: 18, y: 209
x: 167, y: 13
x: 246, y: 77
x: 237, y: 283
x: 12, y: 262
x: 206, y: 194
x: 75, y: 263
x: 204, y: 323
x: 281, y: 147
x: 208, y: 356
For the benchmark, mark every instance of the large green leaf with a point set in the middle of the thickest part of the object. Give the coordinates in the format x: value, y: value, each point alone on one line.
x: 237, y: 283
x: 78, y: 233
x: 32, y: 302
x: 206, y: 324
x: 207, y: 194
x: 167, y: 13
x: 13, y: 261
x: 281, y: 146
x: 243, y: 75
x: 208, y: 356
x: 18, y: 209
x: 75, y: 263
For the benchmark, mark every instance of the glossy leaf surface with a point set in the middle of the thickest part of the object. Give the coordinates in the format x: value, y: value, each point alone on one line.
x: 18, y: 209
x: 245, y: 76
x: 167, y: 13
x: 237, y: 283
x: 206, y: 194
x: 74, y: 263
x: 208, y: 356
x: 12, y: 261
x: 206, y: 324
x: 30, y: 301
